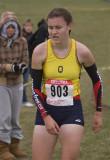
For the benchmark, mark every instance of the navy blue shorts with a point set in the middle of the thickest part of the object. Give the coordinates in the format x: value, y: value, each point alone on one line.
x: 63, y: 114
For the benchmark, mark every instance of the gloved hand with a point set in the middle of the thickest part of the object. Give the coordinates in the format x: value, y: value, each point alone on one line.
x: 15, y: 68
x: 23, y: 68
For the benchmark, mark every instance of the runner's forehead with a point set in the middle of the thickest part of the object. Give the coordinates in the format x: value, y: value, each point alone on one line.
x: 56, y: 21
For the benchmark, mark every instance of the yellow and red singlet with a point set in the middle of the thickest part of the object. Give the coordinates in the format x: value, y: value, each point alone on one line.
x: 61, y: 76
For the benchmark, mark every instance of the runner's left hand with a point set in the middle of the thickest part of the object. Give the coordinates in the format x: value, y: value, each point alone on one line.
x: 97, y: 122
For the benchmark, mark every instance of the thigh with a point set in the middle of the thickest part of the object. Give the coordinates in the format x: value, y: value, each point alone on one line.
x: 16, y: 93
x: 43, y: 143
x: 5, y: 103
x: 70, y: 137
x: 16, y: 97
x: 5, y: 108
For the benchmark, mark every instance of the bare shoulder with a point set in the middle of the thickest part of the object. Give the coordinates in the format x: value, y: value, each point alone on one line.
x: 84, y: 54
x: 40, y: 50
x: 39, y: 55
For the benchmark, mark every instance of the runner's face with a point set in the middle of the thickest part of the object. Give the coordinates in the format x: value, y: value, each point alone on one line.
x: 10, y: 31
x: 58, y: 29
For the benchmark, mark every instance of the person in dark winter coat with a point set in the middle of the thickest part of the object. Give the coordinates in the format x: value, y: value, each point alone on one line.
x: 39, y: 36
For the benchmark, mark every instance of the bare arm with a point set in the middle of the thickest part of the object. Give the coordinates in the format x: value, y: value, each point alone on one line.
x: 85, y: 56
x: 39, y: 56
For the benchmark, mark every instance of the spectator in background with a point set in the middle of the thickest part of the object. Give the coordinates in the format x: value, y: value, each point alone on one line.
x: 39, y: 36
x: 27, y: 33
x: 13, y: 63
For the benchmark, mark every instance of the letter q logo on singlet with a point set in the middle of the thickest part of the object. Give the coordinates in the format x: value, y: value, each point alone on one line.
x: 59, y: 92
x: 60, y: 69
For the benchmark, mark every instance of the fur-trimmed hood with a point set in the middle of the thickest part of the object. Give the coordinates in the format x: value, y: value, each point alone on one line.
x: 9, y: 16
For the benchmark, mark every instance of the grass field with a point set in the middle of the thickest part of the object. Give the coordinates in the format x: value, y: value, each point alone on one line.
x: 91, y: 27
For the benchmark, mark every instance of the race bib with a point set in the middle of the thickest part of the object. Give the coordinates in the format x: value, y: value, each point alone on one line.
x: 59, y: 92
